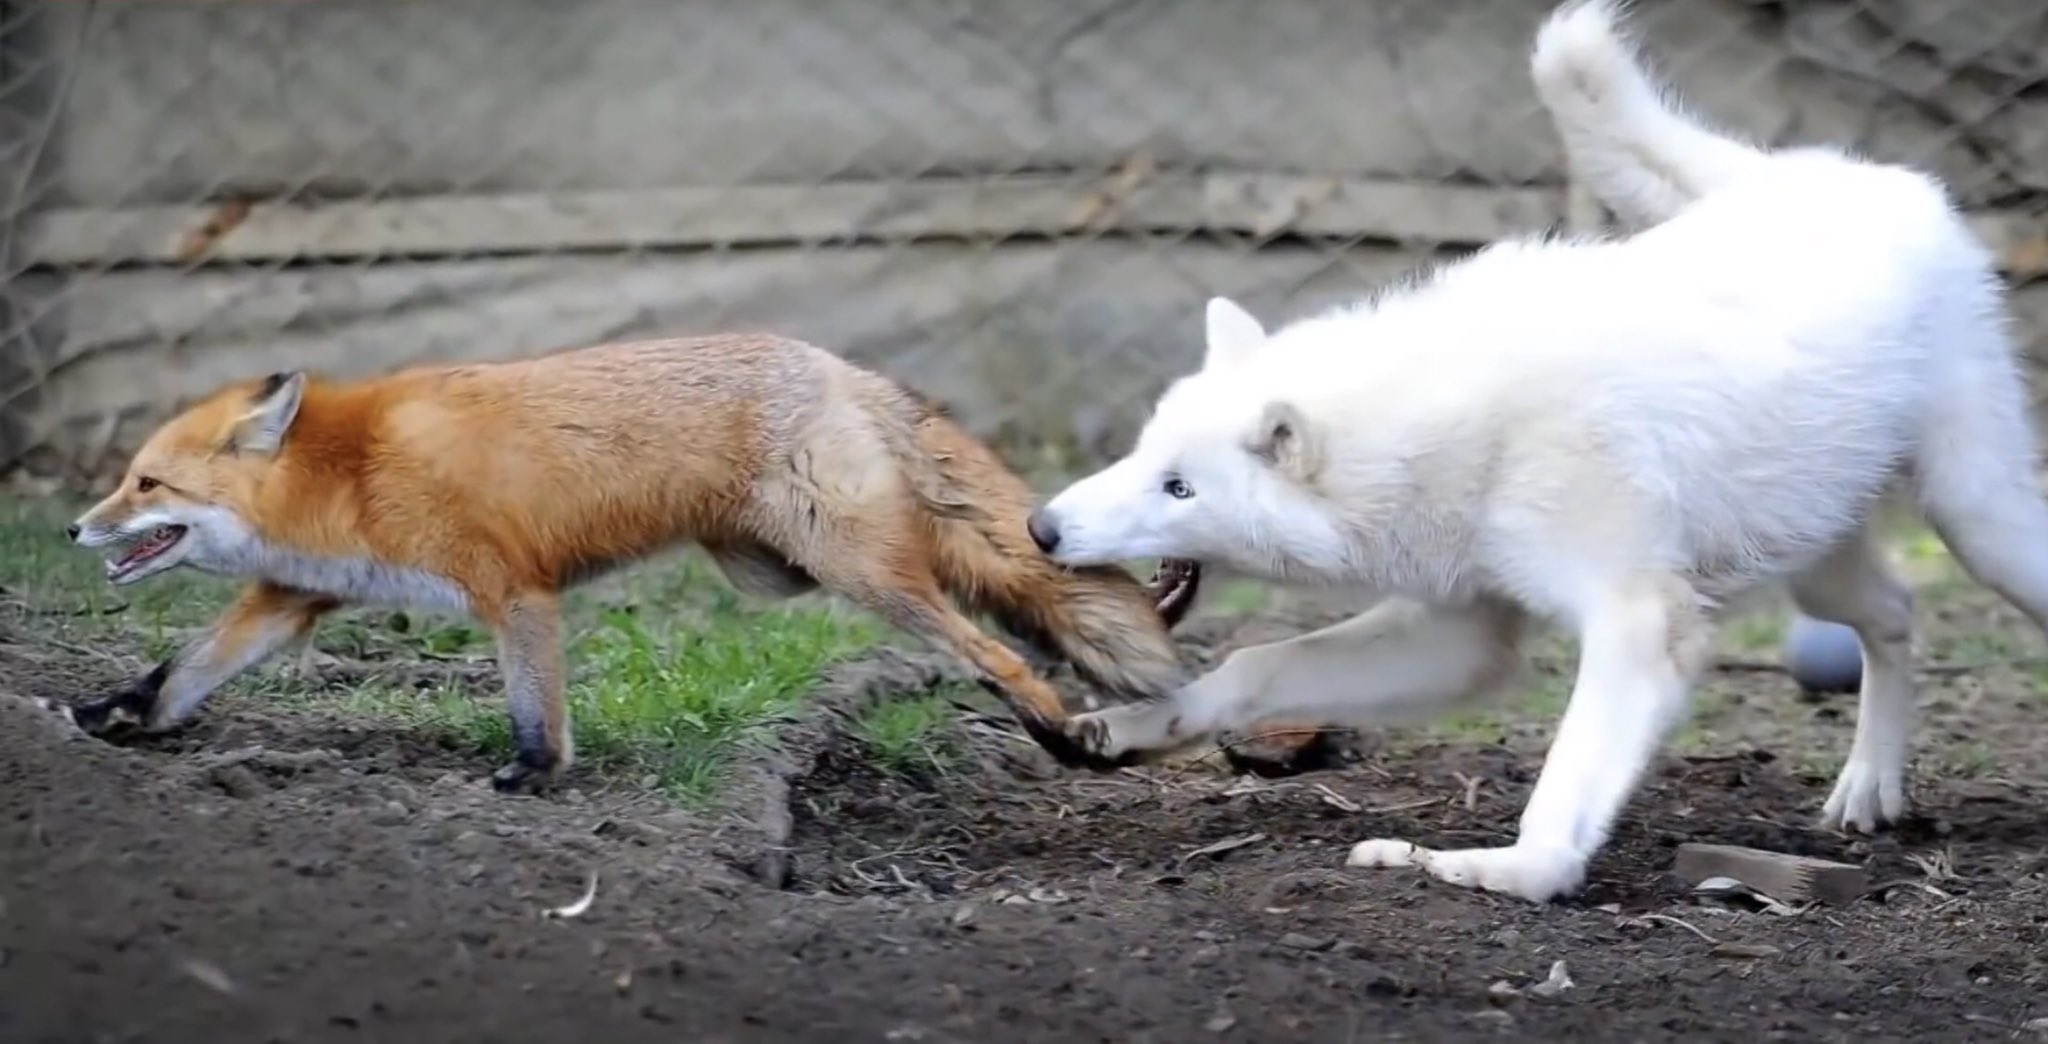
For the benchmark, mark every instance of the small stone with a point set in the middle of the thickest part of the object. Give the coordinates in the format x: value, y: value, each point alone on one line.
x: 503, y: 830
x: 467, y: 843
x: 1202, y: 955
x: 1508, y: 937
x: 1220, y: 1022
x: 1303, y: 941
x: 2039, y: 1025
x: 1502, y: 988
x: 963, y: 916
x: 1559, y: 981
x: 391, y: 813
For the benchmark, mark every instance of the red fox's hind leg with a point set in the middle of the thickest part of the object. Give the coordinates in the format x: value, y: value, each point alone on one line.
x: 887, y: 574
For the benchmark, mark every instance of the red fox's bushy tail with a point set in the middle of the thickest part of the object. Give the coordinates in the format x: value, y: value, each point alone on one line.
x: 1102, y: 620
x: 1628, y: 139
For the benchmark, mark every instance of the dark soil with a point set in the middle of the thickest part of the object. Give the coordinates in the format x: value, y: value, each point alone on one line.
x: 282, y: 877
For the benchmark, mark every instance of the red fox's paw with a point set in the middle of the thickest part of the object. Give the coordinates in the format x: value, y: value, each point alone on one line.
x: 127, y: 707
x: 530, y: 773
x: 1281, y: 751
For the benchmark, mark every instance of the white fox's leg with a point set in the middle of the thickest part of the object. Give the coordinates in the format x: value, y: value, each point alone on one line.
x: 1399, y: 659
x: 1981, y: 496
x: 1976, y: 472
x: 1641, y: 646
x: 266, y: 618
x: 1853, y: 586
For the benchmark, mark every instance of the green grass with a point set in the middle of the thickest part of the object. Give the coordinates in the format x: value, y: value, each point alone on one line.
x: 671, y: 707
x: 908, y: 735
x: 678, y: 706
x: 1757, y: 632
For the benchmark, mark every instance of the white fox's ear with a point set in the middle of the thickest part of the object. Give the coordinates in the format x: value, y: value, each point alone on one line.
x: 1283, y: 439
x: 261, y: 430
x: 1233, y: 334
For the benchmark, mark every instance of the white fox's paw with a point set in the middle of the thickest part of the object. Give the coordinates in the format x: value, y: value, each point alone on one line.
x: 1127, y: 733
x: 1867, y: 796
x: 1531, y: 872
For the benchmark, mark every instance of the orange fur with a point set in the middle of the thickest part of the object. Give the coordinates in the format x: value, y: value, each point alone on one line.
x: 491, y: 488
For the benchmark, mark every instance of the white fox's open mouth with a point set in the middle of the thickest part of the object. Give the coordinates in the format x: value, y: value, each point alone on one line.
x: 149, y: 548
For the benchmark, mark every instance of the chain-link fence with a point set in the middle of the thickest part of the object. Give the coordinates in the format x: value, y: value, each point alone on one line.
x: 1018, y: 207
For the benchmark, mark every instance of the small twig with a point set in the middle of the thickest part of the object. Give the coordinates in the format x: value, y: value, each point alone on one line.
x: 1338, y: 801
x: 1472, y: 785
x: 1742, y: 666
x: 1219, y: 847
x: 32, y: 609
x: 82, y: 650
x: 1668, y: 919
x: 577, y: 908
x: 1406, y: 806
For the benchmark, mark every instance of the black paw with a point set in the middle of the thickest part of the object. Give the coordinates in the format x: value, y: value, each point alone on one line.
x: 1282, y: 757
x: 125, y: 709
x: 524, y: 776
x: 1078, y: 748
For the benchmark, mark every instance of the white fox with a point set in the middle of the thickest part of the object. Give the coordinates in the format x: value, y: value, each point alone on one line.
x: 1619, y: 435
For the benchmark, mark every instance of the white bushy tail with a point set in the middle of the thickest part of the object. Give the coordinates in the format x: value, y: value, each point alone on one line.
x: 1632, y: 146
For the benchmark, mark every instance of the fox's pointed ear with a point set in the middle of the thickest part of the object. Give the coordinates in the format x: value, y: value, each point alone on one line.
x: 1233, y: 334
x: 1283, y: 439
x: 275, y: 406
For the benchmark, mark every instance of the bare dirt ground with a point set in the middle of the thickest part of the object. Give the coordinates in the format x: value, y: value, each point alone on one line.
x: 288, y: 870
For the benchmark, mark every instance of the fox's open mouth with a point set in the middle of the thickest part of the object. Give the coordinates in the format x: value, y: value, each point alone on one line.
x: 149, y: 548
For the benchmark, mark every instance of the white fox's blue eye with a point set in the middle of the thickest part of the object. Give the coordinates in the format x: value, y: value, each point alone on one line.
x: 1177, y: 489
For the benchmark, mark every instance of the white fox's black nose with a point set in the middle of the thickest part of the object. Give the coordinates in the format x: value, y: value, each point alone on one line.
x: 1043, y: 532
x: 71, y: 532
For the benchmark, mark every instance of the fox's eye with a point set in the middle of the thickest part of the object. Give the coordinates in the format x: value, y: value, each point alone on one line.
x: 1177, y: 489
x: 145, y: 484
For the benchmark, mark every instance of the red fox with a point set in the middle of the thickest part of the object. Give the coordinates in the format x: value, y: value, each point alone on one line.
x: 491, y: 488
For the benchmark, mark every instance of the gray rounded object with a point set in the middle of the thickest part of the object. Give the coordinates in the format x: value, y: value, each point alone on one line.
x: 1823, y: 656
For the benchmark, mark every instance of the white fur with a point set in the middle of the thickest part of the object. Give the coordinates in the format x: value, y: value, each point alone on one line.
x: 1620, y: 436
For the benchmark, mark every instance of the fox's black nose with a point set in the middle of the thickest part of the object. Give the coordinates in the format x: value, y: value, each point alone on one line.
x: 71, y: 532
x: 1043, y: 532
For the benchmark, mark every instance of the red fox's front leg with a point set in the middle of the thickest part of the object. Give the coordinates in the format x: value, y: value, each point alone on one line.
x: 263, y: 620
x: 531, y: 659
